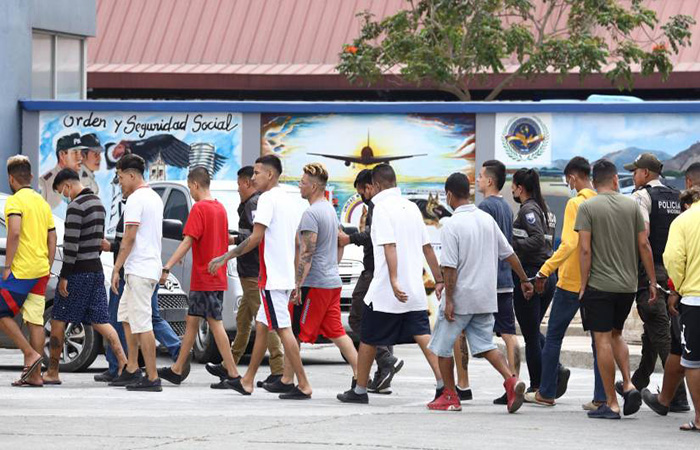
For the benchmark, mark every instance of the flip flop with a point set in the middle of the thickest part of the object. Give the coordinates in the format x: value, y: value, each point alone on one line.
x: 20, y: 383
x: 53, y: 382
x: 236, y: 385
x: 28, y: 370
x: 295, y: 394
x: 690, y: 426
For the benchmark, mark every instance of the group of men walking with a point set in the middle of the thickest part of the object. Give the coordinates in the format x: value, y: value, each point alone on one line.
x: 494, y: 269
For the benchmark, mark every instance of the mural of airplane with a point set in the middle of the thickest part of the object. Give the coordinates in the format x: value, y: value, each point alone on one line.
x: 366, y: 157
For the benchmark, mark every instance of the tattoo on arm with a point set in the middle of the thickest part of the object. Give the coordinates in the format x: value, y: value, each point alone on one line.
x: 450, y: 276
x: 238, y: 251
x: 308, y: 248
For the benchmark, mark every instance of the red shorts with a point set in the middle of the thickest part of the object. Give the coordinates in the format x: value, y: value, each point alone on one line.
x: 318, y: 314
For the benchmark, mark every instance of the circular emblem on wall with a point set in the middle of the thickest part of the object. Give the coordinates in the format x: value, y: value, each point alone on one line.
x: 525, y: 138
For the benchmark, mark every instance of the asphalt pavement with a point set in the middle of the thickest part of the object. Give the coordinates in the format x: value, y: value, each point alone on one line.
x: 84, y: 414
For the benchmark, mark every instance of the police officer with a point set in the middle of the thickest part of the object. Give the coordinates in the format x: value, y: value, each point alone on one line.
x: 68, y: 154
x: 92, y: 157
x: 659, y: 205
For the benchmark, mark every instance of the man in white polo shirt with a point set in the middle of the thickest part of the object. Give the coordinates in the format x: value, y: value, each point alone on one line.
x: 274, y: 231
x: 396, y: 305
x: 472, y: 246
x: 139, y: 255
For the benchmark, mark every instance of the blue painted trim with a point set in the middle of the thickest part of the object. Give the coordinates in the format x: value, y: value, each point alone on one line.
x: 362, y: 107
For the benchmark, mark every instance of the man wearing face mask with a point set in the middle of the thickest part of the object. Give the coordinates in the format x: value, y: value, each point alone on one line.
x: 660, y: 205
x: 565, y: 302
x: 387, y: 364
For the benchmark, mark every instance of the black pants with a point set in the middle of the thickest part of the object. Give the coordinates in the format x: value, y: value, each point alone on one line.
x: 529, y: 314
x: 656, y: 335
x: 385, y: 355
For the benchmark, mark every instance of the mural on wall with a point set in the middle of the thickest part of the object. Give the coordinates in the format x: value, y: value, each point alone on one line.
x: 92, y: 143
x: 673, y: 138
x: 423, y: 149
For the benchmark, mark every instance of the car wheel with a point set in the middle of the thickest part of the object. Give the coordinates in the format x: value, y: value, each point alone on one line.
x: 80, y: 347
x: 204, y: 345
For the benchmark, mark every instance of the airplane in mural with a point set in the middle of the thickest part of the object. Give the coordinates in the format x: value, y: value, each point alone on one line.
x: 366, y: 157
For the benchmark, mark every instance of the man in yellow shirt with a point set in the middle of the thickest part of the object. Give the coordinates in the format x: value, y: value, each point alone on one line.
x: 565, y: 303
x: 31, y: 246
x: 682, y: 261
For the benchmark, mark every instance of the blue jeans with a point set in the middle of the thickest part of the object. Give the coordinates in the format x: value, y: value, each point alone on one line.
x: 598, y: 389
x: 161, y: 328
x: 565, y: 304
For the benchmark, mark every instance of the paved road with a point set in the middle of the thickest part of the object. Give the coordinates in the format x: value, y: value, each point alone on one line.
x: 83, y: 414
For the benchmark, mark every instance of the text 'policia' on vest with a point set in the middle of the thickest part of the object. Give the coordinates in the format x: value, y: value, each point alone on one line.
x: 665, y: 207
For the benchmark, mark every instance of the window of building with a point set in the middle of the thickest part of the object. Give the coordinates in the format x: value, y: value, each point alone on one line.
x: 58, y: 66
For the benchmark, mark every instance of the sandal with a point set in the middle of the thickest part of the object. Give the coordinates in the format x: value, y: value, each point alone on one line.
x: 28, y: 370
x: 20, y: 383
x: 690, y: 426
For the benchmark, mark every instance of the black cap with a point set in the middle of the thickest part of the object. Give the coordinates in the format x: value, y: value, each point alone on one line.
x: 92, y: 142
x: 69, y: 142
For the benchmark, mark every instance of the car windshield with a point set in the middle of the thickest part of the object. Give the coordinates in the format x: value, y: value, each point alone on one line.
x: 230, y: 200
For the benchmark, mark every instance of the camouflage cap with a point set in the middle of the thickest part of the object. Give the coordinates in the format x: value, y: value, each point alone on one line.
x: 645, y: 161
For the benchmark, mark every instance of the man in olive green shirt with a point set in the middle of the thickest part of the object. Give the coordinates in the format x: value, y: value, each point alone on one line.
x: 612, y: 238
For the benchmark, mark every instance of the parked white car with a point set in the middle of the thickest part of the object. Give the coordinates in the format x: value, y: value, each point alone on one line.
x: 82, y: 344
x: 178, y: 203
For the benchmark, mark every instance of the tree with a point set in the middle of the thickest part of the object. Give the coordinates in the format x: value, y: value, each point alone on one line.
x: 450, y: 43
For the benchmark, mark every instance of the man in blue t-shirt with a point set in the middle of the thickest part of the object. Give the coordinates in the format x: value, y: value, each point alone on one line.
x: 489, y: 183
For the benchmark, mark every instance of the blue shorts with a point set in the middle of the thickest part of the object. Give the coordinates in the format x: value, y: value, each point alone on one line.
x: 505, y: 316
x: 477, y: 327
x: 86, y: 302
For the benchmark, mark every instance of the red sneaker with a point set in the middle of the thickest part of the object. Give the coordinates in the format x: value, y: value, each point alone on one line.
x: 448, y: 401
x: 515, y: 390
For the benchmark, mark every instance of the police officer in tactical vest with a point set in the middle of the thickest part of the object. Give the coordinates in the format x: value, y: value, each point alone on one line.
x: 660, y: 205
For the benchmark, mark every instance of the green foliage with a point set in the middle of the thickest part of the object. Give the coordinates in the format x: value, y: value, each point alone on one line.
x: 448, y: 43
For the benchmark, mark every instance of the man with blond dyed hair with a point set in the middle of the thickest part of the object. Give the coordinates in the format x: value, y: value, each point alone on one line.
x: 315, y: 300
x: 30, y: 250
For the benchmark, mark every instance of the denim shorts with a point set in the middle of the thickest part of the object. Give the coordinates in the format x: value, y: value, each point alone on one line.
x: 477, y: 327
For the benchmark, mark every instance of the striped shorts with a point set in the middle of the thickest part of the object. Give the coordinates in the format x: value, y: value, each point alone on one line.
x: 274, y: 309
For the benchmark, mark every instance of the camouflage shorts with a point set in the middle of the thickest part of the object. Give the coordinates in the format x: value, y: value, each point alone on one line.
x: 206, y: 304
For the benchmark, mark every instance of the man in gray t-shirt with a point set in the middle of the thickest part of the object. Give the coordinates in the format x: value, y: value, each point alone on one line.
x: 316, y: 296
x: 321, y: 219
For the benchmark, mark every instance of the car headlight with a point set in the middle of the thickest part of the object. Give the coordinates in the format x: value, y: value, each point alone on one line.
x: 231, y: 270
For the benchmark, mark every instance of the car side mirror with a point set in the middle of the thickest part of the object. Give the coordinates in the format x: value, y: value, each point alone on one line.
x: 172, y: 229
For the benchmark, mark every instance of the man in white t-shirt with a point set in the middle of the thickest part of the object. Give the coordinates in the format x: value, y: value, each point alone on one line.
x: 139, y: 255
x: 396, y: 310
x: 274, y: 231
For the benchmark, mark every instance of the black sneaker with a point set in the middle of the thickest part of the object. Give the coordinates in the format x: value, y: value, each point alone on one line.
x: 385, y: 376
x: 464, y: 394
x: 679, y: 403
x: 633, y: 401
x: 277, y: 387
x: 502, y: 400
x: 126, y: 378
x: 104, y: 377
x: 167, y: 374
x: 620, y: 388
x: 223, y: 384
x: 270, y: 379
x: 652, y: 401
x: 562, y: 381
x: 218, y: 370
x: 146, y: 385
x: 352, y: 397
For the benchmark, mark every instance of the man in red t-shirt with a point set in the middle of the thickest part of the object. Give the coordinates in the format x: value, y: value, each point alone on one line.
x: 206, y: 233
